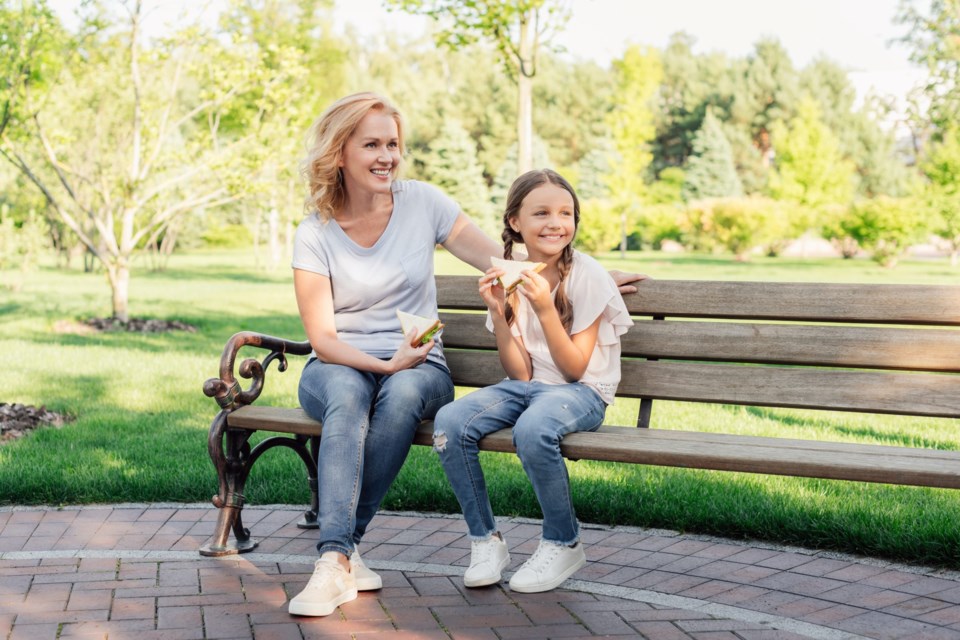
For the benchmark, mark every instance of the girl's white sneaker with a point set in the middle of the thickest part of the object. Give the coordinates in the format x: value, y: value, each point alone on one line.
x: 548, y: 567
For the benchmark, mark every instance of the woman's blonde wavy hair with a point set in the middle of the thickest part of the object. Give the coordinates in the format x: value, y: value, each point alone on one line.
x: 325, y: 143
x: 519, y: 190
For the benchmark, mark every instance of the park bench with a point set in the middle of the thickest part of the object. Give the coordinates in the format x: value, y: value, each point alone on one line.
x: 885, y: 349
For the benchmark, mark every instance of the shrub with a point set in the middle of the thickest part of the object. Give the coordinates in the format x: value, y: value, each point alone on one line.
x: 600, y: 226
x: 657, y: 223
x: 739, y: 225
x: 228, y: 236
x: 886, y: 227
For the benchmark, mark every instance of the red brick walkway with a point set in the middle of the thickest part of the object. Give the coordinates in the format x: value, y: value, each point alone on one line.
x: 132, y: 571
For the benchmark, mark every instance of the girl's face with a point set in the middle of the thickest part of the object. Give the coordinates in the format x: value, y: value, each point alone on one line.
x: 371, y: 155
x: 545, y: 221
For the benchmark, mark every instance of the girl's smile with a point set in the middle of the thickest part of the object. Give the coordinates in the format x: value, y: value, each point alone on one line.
x: 546, y: 222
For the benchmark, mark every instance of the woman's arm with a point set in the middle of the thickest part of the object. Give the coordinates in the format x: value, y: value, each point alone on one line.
x: 467, y: 242
x: 315, y: 300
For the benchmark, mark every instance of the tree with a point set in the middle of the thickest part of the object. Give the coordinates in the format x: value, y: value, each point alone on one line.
x: 452, y: 166
x: 132, y: 138
x: 932, y: 38
x: 632, y: 129
x: 517, y: 28
x: 710, y: 170
x: 809, y: 166
x: 942, y: 193
x: 292, y: 47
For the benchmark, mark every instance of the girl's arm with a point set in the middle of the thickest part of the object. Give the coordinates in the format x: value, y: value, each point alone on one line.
x: 513, y: 355
x: 571, y: 354
x: 315, y: 301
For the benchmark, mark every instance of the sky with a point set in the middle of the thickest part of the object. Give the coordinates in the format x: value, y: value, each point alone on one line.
x: 854, y: 33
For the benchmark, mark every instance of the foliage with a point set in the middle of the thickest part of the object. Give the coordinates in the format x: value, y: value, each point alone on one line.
x: 885, y: 226
x: 809, y: 166
x: 739, y: 225
x: 517, y: 28
x: 657, y: 223
x: 452, y: 166
x: 599, y: 228
x: 668, y: 187
x: 21, y: 246
x: 942, y: 194
x: 932, y: 39
x: 710, y: 172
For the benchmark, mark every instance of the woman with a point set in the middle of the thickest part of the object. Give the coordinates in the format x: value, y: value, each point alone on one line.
x: 365, y: 253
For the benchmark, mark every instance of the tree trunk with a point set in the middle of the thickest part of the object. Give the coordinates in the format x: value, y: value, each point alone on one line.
x: 119, y: 277
x: 273, y: 226
x: 525, y: 98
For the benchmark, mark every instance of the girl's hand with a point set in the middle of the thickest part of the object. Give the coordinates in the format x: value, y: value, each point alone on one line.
x: 536, y: 289
x: 492, y: 292
x: 408, y: 356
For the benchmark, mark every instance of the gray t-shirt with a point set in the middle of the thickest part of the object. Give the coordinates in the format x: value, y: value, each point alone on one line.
x: 371, y: 284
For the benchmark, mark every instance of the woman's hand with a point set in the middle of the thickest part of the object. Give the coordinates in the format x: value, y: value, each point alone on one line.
x: 492, y: 291
x: 409, y: 356
x: 627, y: 282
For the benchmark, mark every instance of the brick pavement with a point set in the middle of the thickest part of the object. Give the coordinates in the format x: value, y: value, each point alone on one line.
x: 132, y: 571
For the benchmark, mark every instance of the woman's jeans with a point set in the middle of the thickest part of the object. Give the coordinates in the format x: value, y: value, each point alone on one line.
x: 540, y: 414
x: 369, y: 422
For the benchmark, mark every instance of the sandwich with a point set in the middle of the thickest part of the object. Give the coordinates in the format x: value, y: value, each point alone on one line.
x: 427, y: 328
x: 511, y: 278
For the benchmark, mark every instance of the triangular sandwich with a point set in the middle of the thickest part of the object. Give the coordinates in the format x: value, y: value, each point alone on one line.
x: 426, y: 328
x: 511, y: 278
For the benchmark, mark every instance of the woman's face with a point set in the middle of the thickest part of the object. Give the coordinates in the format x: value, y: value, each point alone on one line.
x: 371, y: 155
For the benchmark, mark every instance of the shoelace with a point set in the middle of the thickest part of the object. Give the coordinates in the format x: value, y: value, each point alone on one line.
x: 321, y: 571
x: 483, y: 550
x: 545, y: 554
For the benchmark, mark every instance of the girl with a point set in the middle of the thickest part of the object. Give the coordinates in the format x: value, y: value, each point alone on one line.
x: 558, y: 335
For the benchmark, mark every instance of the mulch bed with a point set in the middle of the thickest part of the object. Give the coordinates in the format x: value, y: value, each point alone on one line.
x: 138, y: 325
x: 17, y: 420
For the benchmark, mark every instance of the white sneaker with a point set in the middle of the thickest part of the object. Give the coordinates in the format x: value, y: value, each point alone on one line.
x: 549, y: 565
x: 487, y: 559
x: 330, y: 586
x: 366, y: 579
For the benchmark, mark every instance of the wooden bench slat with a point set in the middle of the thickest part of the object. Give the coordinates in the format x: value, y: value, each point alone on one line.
x: 815, y: 302
x: 832, y: 346
x: 716, y: 451
x: 933, y: 395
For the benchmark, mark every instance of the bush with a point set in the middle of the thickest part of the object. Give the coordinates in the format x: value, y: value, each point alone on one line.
x: 739, y: 225
x: 657, y: 223
x: 600, y: 226
x: 228, y: 236
x: 22, y: 245
x: 886, y: 226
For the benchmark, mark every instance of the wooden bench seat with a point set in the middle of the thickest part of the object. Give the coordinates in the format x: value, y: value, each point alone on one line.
x: 886, y: 349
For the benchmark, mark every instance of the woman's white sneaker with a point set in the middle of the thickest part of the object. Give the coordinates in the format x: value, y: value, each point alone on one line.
x: 548, y: 567
x: 488, y: 558
x: 367, y: 580
x: 330, y: 586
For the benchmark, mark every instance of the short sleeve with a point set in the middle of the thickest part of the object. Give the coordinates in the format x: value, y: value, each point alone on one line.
x: 308, y: 252
x: 594, y: 294
x: 440, y: 209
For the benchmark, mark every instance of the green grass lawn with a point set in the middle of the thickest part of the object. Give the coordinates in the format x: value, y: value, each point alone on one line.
x: 141, y: 417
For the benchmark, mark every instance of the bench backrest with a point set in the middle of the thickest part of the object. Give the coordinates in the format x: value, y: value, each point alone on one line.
x: 847, y: 347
